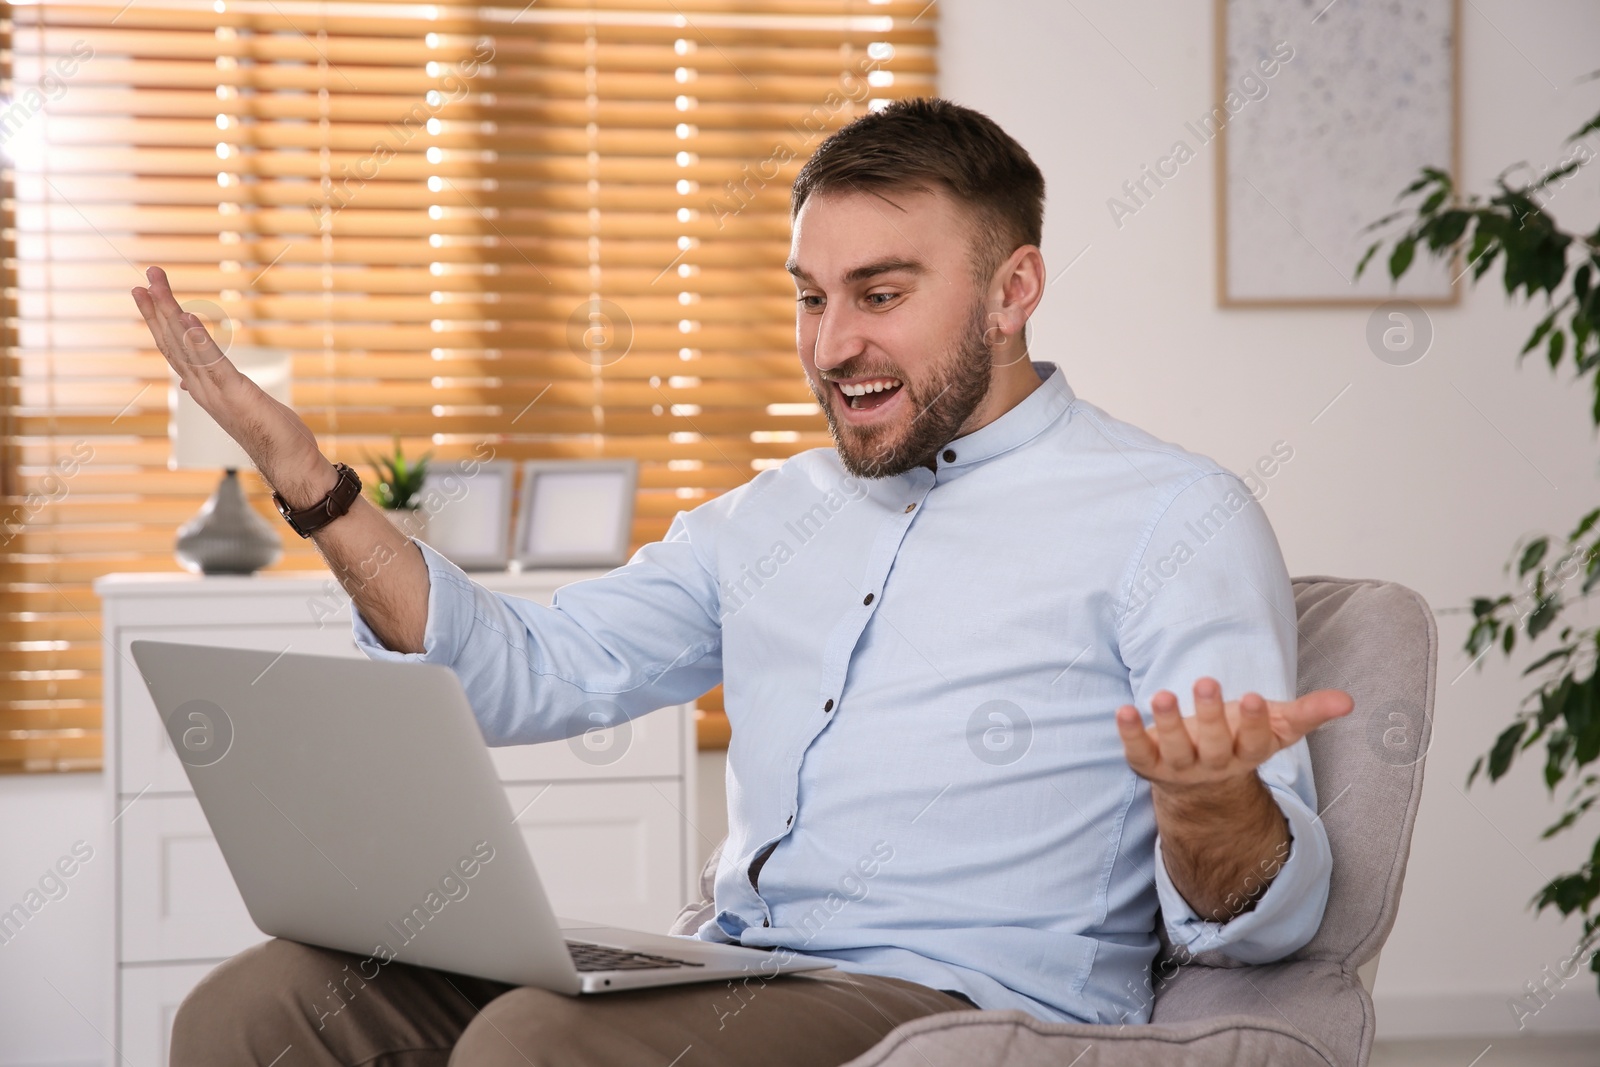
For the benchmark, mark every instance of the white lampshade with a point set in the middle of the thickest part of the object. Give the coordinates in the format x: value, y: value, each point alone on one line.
x: 197, y: 441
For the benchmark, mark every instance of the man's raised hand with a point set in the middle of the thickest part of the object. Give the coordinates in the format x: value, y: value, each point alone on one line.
x: 276, y: 439
x: 1219, y: 741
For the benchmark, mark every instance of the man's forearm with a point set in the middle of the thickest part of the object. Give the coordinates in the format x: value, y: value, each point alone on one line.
x: 1222, y: 843
x: 379, y: 567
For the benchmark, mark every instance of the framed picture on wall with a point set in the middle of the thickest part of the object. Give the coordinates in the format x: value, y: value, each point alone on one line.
x: 575, y: 513
x: 469, y: 512
x: 1320, y: 116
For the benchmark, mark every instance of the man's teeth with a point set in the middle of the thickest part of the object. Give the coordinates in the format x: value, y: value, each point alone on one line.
x: 864, y: 388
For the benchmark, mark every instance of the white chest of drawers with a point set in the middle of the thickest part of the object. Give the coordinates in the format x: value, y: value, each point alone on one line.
x: 609, y: 834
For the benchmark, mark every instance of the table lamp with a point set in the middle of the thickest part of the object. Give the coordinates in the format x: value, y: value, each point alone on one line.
x: 227, y: 536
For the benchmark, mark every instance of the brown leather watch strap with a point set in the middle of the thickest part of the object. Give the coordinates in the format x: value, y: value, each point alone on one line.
x: 308, y: 521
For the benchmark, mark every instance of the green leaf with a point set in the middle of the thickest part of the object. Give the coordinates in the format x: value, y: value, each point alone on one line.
x: 1477, y: 765
x: 1508, y: 639
x: 1558, y: 345
x: 1400, y: 259
x: 1367, y: 255
x: 1430, y: 205
x: 1584, y: 525
x: 1505, y: 747
x: 1588, y: 128
x: 1447, y: 229
x: 1539, y: 333
x: 1565, y: 652
x: 1543, y: 615
x: 1532, y: 555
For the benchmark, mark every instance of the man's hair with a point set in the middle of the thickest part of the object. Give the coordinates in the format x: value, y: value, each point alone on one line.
x: 929, y: 144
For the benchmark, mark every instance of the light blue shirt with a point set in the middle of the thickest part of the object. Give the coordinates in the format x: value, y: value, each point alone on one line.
x: 922, y: 673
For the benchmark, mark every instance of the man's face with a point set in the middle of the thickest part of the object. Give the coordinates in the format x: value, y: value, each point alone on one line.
x: 889, y: 323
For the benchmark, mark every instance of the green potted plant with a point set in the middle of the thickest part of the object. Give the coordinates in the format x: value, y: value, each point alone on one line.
x: 397, y: 489
x: 1537, y: 256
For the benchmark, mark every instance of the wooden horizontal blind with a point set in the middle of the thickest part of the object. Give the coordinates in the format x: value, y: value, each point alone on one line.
x: 527, y: 231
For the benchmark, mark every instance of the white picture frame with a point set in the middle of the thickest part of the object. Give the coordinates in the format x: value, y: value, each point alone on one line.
x: 575, y: 513
x: 468, y: 507
x: 1319, y: 119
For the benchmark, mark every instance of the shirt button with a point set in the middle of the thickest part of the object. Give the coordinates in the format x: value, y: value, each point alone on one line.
x: 790, y: 821
x: 867, y: 599
x: 949, y: 455
x: 910, y: 508
x: 829, y: 705
x: 764, y: 922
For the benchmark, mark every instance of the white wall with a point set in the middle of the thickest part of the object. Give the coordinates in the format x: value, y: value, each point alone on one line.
x: 54, y: 987
x: 1424, y: 474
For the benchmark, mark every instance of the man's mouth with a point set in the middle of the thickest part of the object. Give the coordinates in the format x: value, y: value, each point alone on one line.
x: 868, y: 394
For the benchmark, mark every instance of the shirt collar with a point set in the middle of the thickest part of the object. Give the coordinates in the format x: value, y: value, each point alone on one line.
x: 1017, y: 426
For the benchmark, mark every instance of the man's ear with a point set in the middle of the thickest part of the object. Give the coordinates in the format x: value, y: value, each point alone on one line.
x: 1015, y: 290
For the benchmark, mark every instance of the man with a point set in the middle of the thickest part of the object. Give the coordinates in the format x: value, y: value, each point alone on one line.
x: 934, y: 639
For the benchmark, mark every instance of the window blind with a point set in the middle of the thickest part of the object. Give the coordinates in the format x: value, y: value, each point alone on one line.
x: 552, y: 230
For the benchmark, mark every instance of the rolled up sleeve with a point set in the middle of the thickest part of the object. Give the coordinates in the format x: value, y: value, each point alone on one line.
x: 1210, y: 595
x: 640, y: 637
x: 1287, y: 915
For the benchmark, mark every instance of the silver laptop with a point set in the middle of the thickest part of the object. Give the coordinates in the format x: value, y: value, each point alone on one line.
x: 356, y: 805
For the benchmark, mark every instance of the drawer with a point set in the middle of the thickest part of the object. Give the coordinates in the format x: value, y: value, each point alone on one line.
x: 144, y: 752
x: 150, y: 997
x: 609, y: 852
x: 650, y: 746
x: 178, y: 900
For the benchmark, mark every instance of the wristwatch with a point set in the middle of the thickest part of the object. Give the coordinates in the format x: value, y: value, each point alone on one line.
x: 308, y: 521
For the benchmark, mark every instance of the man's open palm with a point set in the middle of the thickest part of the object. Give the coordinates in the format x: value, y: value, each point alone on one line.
x: 1220, y: 740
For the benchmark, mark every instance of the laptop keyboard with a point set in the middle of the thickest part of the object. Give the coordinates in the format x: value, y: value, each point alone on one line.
x: 591, y: 957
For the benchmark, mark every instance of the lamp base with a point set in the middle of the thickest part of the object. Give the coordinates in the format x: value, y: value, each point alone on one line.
x: 227, y: 537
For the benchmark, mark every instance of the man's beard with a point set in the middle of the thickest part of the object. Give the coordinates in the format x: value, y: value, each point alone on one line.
x: 939, y: 407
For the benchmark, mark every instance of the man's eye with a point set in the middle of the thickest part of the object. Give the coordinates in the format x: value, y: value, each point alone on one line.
x: 809, y: 302
x: 881, y: 299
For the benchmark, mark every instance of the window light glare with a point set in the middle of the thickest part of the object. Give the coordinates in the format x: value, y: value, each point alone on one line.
x: 880, y: 78
x: 435, y: 156
x: 434, y: 126
x: 435, y: 183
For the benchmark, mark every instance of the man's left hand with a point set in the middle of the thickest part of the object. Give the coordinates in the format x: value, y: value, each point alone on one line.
x: 1220, y: 740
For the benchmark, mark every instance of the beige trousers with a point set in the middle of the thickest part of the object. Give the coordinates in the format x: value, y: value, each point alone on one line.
x: 284, y: 1004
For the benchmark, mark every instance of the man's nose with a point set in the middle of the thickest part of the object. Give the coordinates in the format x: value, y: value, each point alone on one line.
x: 839, y: 338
